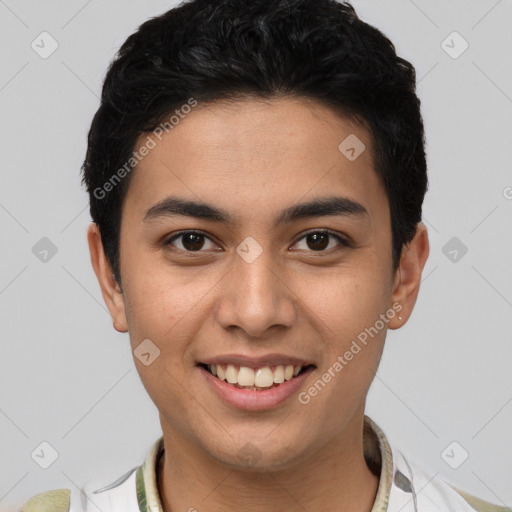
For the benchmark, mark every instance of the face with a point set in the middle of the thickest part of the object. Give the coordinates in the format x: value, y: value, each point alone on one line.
x: 250, y: 239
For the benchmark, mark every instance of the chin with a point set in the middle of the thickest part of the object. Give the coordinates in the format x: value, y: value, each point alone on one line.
x: 259, y: 455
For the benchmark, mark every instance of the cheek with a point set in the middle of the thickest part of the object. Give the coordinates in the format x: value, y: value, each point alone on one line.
x: 346, y: 309
x: 167, y: 308
x: 155, y: 297
x: 347, y: 300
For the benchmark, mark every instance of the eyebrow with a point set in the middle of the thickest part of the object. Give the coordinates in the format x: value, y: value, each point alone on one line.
x: 171, y: 206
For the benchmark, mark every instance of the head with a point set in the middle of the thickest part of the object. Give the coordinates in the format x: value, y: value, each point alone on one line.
x: 296, y: 130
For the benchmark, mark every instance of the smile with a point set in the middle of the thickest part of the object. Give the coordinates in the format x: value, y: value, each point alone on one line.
x: 255, y: 383
x: 256, y: 379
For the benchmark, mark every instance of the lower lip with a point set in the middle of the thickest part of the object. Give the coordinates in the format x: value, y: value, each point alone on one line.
x: 252, y: 400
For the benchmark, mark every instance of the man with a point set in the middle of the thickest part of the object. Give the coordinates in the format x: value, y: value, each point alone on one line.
x: 256, y: 173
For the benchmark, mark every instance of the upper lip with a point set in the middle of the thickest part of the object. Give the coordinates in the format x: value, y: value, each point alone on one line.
x: 256, y: 362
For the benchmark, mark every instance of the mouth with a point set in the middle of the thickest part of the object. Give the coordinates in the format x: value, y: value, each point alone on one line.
x: 256, y: 379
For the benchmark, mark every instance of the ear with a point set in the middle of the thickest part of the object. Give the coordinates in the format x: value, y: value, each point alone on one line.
x: 110, y: 289
x: 408, y: 276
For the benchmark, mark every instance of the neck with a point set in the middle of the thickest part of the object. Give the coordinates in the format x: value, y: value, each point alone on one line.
x: 335, y: 479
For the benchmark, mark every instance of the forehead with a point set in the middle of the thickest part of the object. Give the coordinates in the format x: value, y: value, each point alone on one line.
x: 253, y: 155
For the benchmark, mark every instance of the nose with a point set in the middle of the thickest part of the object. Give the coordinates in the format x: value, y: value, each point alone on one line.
x: 255, y: 297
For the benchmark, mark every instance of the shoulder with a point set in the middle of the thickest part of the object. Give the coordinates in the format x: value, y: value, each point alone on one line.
x: 57, y: 500
x: 479, y: 504
x: 415, y: 487
x: 104, y: 492
x: 120, y: 494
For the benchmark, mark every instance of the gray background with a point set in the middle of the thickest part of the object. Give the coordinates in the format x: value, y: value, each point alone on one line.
x: 67, y: 378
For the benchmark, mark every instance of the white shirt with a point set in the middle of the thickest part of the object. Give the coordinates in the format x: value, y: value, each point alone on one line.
x: 403, y: 486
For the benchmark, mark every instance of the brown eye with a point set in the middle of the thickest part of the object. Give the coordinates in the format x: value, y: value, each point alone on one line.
x: 318, y: 241
x: 191, y: 241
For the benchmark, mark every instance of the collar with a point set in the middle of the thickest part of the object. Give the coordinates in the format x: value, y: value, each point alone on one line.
x: 377, y: 453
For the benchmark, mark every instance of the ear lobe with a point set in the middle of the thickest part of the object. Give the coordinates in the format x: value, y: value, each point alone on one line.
x: 408, y: 278
x: 110, y: 289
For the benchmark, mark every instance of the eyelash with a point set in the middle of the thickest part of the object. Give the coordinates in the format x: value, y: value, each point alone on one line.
x: 342, y: 241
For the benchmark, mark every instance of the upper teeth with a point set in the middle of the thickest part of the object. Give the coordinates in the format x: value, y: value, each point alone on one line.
x: 260, y: 377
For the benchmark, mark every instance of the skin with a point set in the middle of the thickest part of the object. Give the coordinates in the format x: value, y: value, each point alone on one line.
x: 255, y: 158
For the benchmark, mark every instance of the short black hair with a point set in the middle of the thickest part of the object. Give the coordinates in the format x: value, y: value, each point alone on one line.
x: 212, y: 50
